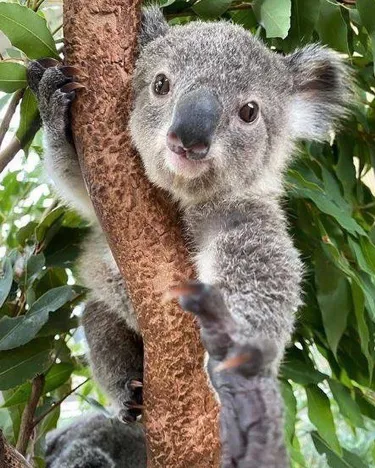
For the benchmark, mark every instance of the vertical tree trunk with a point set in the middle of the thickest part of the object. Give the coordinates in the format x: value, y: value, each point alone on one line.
x: 143, y: 232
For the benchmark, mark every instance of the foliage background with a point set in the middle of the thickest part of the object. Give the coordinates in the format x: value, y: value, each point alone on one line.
x: 327, y: 375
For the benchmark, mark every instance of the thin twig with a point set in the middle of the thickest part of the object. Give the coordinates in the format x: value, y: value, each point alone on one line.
x: 27, y: 425
x: 57, y: 29
x: 58, y: 403
x: 4, y: 126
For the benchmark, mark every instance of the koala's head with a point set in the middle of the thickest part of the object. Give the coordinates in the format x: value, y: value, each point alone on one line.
x: 216, y: 112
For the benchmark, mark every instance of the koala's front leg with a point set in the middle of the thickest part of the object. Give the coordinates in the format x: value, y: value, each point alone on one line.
x: 55, y: 90
x: 251, y: 407
x: 116, y: 357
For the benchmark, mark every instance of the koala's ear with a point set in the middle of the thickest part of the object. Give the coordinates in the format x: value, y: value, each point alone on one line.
x: 322, y: 91
x: 153, y: 25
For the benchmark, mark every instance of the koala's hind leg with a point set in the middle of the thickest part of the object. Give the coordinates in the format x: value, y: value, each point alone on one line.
x: 54, y: 89
x: 116, y: 357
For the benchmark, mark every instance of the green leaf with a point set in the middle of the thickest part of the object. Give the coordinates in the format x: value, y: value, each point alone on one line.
x: 348, y: 407
x: 305, y: 14
x: 274, y: 16
x: 16, y: 331
x: 301, y: 373
x: 6, y: 280
x: 333, y: 295
x: 34, y: 266
x: 29, y: 121
x: 363, y: 331
x: 12, y: 77
x: 23, y: 363
x: 54, y: 216
x: 290, y: 403
x: 346, y: 460
x: 27, y: 31
x: 320, y: 415
x: 332, y: 27
x: 58, y: 375
x: 305, y: 189
x: 366, y: 10
x: 209, y: 9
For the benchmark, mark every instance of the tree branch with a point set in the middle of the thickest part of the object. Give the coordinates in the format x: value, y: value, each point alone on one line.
x: 15, y: 145
x: 144, y: 234
x: 27, y: 425
x: 4, y: 126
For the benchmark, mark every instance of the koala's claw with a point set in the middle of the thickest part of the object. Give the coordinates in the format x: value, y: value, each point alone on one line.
x: 53, y: 85
x: 133, y: 384
x: 68, y: 70
x: 69, y: 87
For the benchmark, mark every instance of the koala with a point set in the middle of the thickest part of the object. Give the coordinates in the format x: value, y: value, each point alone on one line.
x: 216, y: 119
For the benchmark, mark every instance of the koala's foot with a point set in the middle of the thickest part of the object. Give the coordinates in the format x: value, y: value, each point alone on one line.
x: 251, y: 407
x: 53, y: 85
x: 131, y: 406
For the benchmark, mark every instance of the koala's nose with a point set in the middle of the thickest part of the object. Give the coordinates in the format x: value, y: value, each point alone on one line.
x: 195, y: 119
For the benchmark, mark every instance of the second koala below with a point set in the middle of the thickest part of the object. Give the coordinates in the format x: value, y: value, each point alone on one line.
x: 215, y: 120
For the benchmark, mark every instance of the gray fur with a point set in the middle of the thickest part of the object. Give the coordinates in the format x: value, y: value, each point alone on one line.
x: 96, y: 442
x: 230, y: 201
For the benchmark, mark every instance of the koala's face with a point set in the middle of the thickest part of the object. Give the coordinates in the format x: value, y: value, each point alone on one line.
x: 216, y: 111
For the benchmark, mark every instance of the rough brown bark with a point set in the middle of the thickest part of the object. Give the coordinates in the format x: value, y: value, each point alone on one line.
x: 143, y: 232
x: 9, y: 457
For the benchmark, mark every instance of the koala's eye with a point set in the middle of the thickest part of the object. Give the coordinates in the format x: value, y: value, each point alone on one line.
x: 249, y: 112
x: 161, y: 85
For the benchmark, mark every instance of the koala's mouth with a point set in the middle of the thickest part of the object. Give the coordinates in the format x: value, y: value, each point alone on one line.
x: 181, y: 165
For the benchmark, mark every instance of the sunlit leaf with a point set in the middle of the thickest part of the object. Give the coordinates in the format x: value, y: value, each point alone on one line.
x: 27, y: 31
x: 274, y: 16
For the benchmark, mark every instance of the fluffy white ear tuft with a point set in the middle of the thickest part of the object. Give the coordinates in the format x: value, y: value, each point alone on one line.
x: 322, y: 91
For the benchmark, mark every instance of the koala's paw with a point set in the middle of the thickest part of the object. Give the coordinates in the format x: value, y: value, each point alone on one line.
x: 240, y: 371
x: 53, y: 85
x: 131, y: 406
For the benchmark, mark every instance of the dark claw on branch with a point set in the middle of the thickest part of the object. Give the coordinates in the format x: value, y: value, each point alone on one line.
x: 68, y: 70
x: 69, y: 87
x: 133, y: 405
x: 133, y: 384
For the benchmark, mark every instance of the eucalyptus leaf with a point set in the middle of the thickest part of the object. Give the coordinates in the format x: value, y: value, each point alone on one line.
x: 17, y: 331
x: 23, y: 363
x: 57, y: 375
x: 27, y: 31
x: 12, y: 77
x: 208, y: 9
x: 6, y: 279
x: 320, y: 415
x: 274, y: 16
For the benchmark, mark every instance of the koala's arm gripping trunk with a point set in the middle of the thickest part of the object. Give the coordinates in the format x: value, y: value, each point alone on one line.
x: 143, y: 232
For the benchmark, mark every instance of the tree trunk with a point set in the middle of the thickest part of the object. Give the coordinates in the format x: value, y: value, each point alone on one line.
x: 143, y: 231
